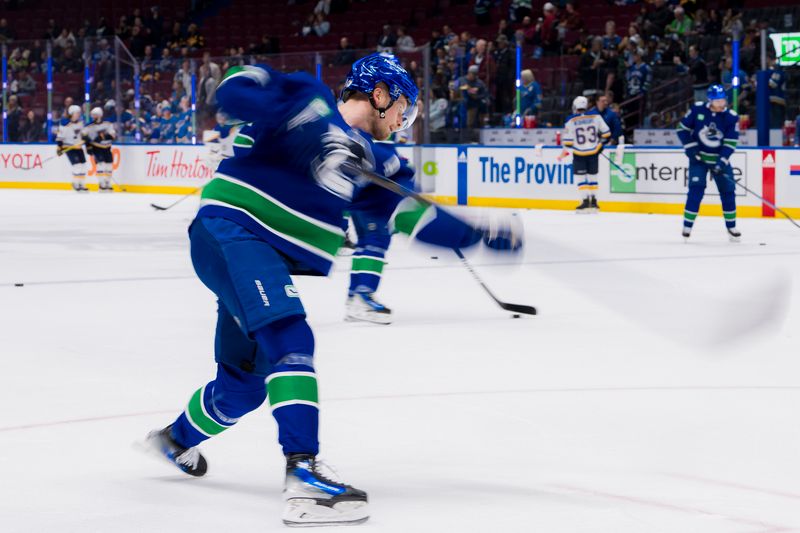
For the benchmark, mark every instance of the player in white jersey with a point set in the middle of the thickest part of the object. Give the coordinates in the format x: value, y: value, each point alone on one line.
x: 585, y: 132
x: 98, y: 136
x: 70, y: 141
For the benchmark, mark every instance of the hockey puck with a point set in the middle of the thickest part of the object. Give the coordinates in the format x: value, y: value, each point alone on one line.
x: 434, y: 257
x: 762, y: 244
x: 19, y: 284
x: 515, y: 316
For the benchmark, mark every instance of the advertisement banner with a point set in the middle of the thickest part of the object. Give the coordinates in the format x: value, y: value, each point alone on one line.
x: 650, y: 172
x: 518, y: 173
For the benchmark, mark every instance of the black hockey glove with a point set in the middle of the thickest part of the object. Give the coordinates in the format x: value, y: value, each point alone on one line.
x: 717, y: 170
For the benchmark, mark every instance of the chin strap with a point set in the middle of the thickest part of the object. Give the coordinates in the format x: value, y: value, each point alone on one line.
x: 381, y: 110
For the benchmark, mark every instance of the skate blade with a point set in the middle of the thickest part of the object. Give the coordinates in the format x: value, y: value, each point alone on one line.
x: 731, y: 238
x: 307, y: 513
x: 383, y: 320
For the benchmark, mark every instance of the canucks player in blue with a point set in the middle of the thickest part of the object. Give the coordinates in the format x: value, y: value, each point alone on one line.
x: 709, y: 133
x: 273, y: 210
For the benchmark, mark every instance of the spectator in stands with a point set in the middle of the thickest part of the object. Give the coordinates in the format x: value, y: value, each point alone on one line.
x: 268, y: 45
x: 14, y: 115
x: 504, y: 28
x: 570, y: 19
x: 405, y: 43
x: 474, y: 95
x: 17, y: 61
x: 194, y: 40
x: 732, y: 22
x: 148, y: 65
x: 346, y: 54
x: 26, y: 85
x: 639, y: 75
x: 777, y: 88
x: 438, y: 112
x: 437, y: 40
x: 549, y: 30
x: 213, y: 68
x: 175, y: 40
x: 797, y: 131
x: 6, y: 33
x: 387, y: 40
x: 611, y: 41
x: 531, y: 94
x: 123, y: 29
x: 505, y: 75
x: 681, y: 25
x: 52, y: 30
x: 479, y: 56
x: 699, y: 22
x: 206, y: 91
x: 519, y: 9
x: 165, y: 65
x: 321, y: 26
x: 71, y: 61
x: 714, y: 23
x: 611, y: 118
x: 447, y: 33
x: 184, y: 76
x: 137, y: 41
x: 655, y: 22
x: 31, y: 128
x: 64, y: 40
x: 695, y: 67
x: 592, y: 68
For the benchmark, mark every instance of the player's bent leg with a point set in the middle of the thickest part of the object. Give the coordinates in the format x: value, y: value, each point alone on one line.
x: 697, y: 188
x: 211, y: 410
x: 367, y: 270
x: 727, y: 193
x: 314, y: 496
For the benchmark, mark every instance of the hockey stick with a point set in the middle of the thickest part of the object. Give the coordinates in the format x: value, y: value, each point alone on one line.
x: 46, y: 159
x: 764, y: 200
x: 396, y: 188
x: 627, y: 176
x: 173, y: 204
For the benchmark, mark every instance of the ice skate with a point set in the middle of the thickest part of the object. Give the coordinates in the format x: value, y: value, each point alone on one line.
x: 348, y: 247
x: 734, y: 235
x: 585, y: 207
x: 363, y: 307
x: 189, y: 460
x: 106, y: 187
x: 79, y: 187
x: 593, y: 207
x: 315, y: 498
x: 686, y: 233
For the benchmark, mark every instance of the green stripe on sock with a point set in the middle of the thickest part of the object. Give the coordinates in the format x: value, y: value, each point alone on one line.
x: 729, y: 216
x: 367, y: 264
x: 198, y: 417
x: 689, y: 215
x: 292, y: 387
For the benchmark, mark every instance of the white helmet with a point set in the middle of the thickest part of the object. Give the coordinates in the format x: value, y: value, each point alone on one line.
x: 96, y: 113
x: 73, y: 109
x: 580, y: 103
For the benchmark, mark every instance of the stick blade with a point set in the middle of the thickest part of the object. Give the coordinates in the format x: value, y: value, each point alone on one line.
x: 158, y: 207
x: 519, y: 308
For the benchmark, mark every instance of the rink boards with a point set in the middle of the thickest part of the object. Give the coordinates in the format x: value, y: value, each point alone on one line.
x: 653, y: 180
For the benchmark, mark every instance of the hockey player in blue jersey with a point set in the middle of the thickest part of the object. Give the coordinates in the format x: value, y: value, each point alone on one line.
x: 275, y: 210
x: 709, y: 133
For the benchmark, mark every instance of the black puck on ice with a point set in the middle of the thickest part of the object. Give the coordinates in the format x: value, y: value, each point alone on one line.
x: 514, y: 316
x: 762, y: 244
x: 19, y: 284
x: 434, y: 257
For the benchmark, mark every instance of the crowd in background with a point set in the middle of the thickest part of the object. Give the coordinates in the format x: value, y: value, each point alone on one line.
x: 472, y: 76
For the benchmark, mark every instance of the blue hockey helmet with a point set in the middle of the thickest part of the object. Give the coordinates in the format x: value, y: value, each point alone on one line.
x: 716, y: 92
x: 368, y: 71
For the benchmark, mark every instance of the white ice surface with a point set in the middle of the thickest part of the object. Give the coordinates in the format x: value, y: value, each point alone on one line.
x: 658, y: 390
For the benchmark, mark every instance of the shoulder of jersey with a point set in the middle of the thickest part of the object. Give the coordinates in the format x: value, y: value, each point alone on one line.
x: 570, y: 117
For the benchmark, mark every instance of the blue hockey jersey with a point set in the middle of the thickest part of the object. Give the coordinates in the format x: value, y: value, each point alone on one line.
x: 283, y: 182
x: 714, y: 135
